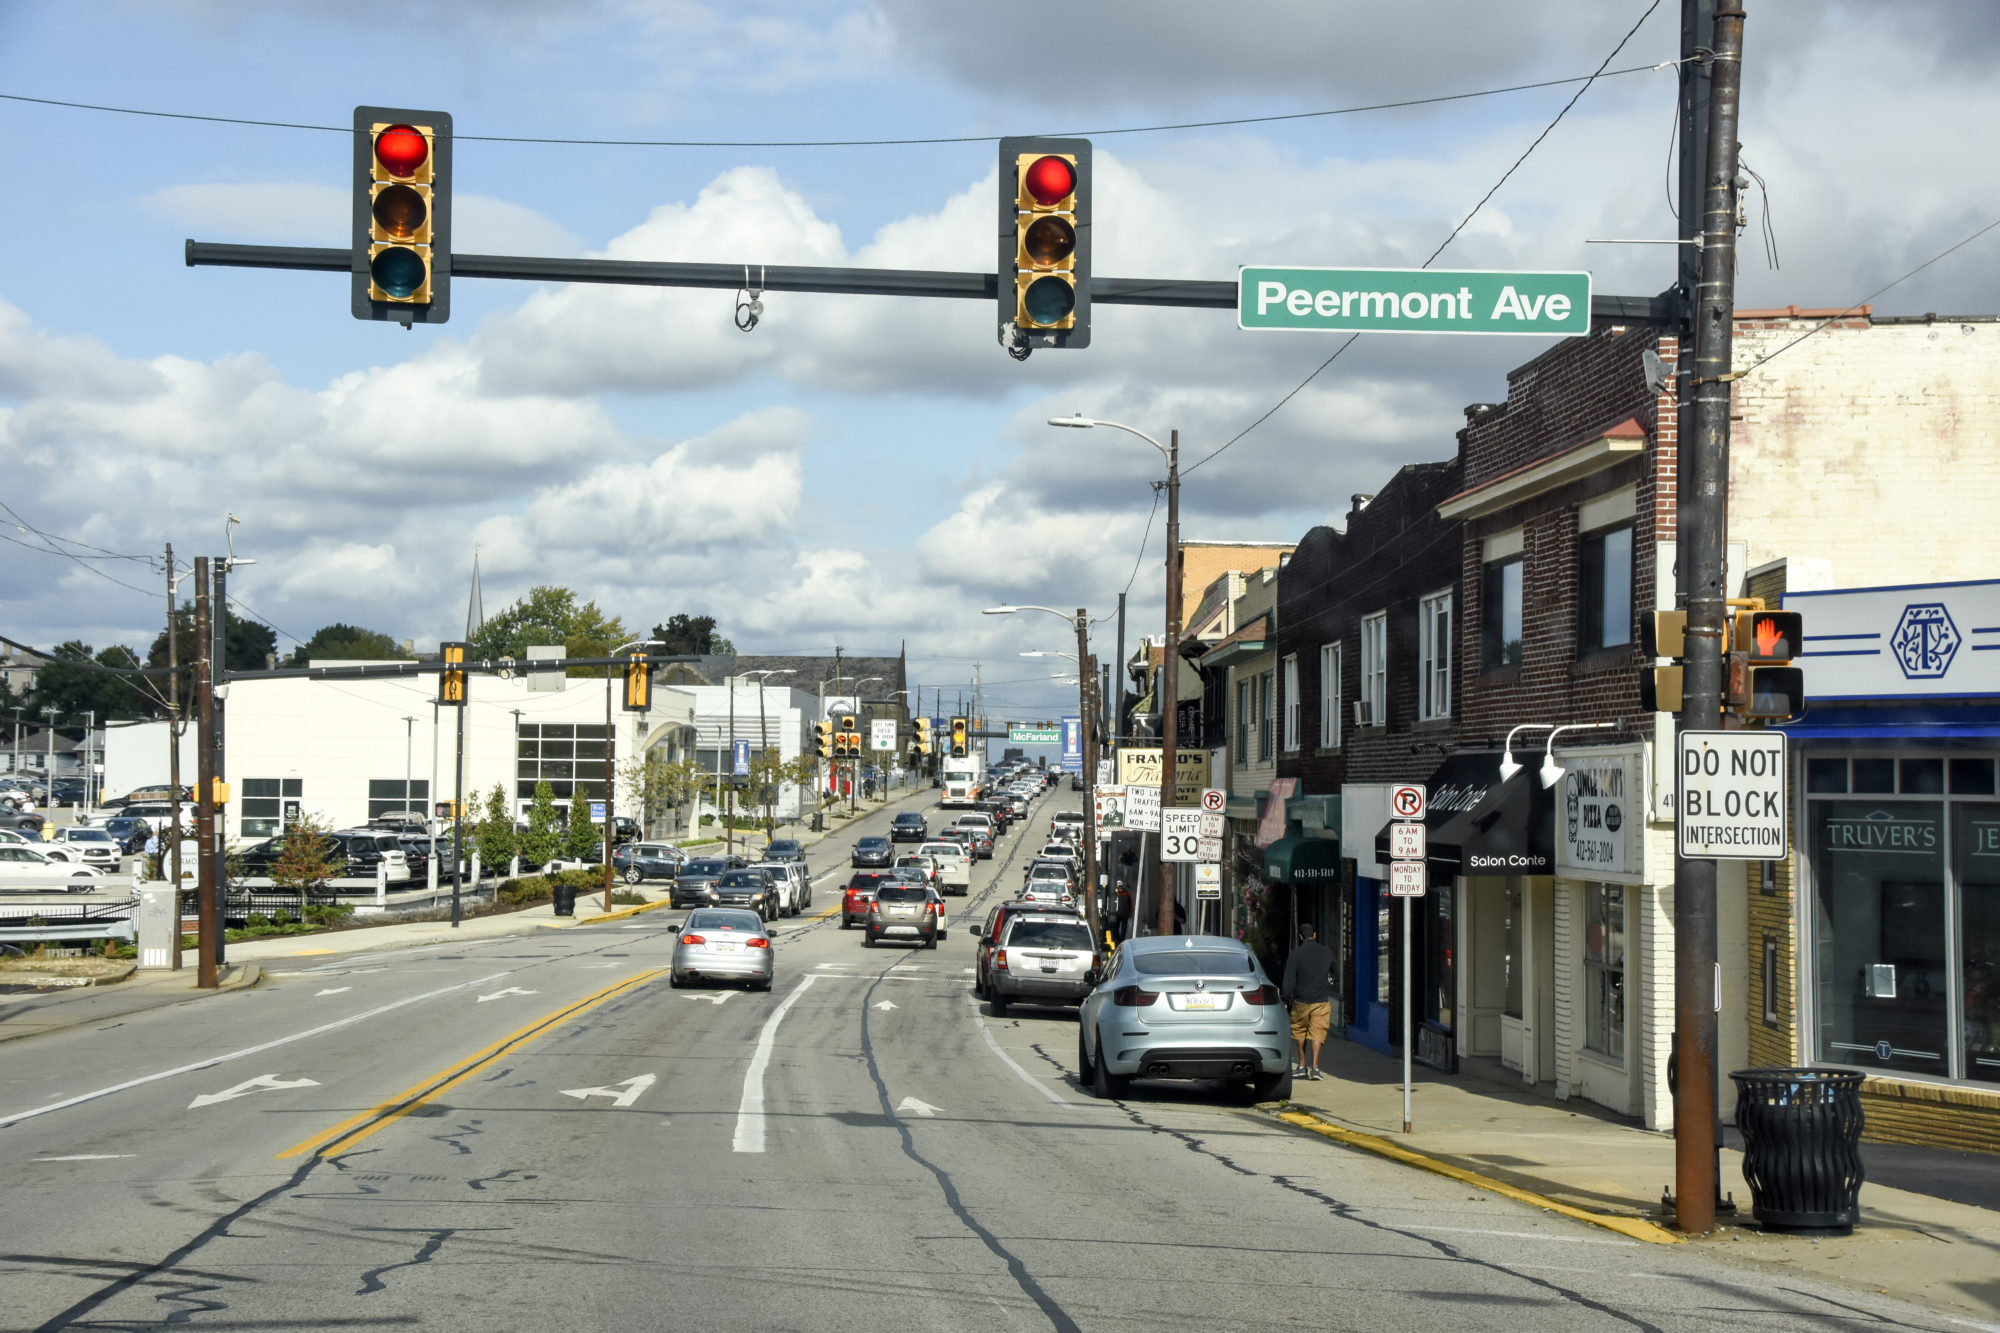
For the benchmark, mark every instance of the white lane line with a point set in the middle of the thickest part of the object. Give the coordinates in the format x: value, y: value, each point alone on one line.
x: 87, y: 1157
x: 1015, y: 1065
x: 67, y: 1102
x: 750, y: 1111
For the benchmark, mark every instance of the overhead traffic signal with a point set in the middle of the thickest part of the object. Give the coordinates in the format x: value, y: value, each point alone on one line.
x: 823, y: 738
x: 451, y: 680
x: 1763, y: 684
x: 1044, y: 243
x: 401, y: 260
x: 958, y: 738
x: 638, y: 682
x: 923, y: 742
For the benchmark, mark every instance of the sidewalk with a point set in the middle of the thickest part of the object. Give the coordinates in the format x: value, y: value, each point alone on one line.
x: 1919, y: 1246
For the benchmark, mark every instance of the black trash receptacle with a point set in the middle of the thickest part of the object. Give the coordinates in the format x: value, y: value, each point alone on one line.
x: 1801, y: 1146
x: 565, y: 896
x: 818, y: 822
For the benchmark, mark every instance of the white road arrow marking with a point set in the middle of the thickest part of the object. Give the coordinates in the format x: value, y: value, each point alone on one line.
x: 261, y: 1083
x: 335, y: 990
x: 915, y: 1107
x: 716, y: 998
x: 886, y: 1004
x: 621, y: 1094
x: 511, y: 990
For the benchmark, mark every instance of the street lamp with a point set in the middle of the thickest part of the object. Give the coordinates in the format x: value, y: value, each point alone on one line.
x: 1168, y: 692
x: 1086, y: 678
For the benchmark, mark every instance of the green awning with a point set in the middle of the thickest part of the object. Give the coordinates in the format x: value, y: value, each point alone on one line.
x: 1298, y: 858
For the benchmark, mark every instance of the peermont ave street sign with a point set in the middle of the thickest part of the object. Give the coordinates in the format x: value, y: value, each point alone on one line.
x: 1393, y: 300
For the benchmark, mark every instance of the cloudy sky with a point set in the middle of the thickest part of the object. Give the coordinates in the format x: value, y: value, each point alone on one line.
x: 858, y: 470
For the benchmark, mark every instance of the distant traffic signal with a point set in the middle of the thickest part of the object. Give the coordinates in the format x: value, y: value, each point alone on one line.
x: 451, y: 681
x: 638, y: 682
x: 823, y: 738
x: 1045, y: 242
x: 923, y: 742
x: 959, y: 749
x: 401, y: 261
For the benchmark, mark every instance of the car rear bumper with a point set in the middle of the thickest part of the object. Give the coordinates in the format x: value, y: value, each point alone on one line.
x: 1027, y: 986
x: 1207, y: 1050
x: 755, y: 963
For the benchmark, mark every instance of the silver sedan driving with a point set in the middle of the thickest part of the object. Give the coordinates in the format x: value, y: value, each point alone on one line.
x: 723, y: 944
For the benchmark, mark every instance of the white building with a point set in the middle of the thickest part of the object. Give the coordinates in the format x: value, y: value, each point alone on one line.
x: 745, y: 713
x: 353, y: 749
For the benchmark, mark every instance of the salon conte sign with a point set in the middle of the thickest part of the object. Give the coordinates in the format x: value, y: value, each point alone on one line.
x: 1600, y: 814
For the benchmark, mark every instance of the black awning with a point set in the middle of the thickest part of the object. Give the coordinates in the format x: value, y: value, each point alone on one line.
x: 1478, y: 824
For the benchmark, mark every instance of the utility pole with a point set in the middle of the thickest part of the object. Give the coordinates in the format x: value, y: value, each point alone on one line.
x: 49, y: 762
x: 610, y: 777
x: 1118, y: 696
x: 1703, y: 545
x: 218, y: 690
x: 729, y: 823
x: 1086, y: 680
x: 458, y: 809
x: 176, y: 727
x: 1169, y: 682
x: 206, y: 889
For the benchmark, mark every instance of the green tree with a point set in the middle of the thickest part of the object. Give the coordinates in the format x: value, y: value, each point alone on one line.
x: 246, y: 645
x: 543, y: 842
x: 343, y: 642
x: 585, y: 840
x: 310, y: 858
x: 494, y: 835
x: 549, y: 615
x: 67, y: 684
x: 654, y: 784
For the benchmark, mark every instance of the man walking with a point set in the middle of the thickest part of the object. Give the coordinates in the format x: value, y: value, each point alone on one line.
x: 1308, y: 991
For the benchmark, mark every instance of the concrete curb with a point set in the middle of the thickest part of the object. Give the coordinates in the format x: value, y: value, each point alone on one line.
x: 1635, y: 1228
x: 69, y: 983
x: 620, y: 913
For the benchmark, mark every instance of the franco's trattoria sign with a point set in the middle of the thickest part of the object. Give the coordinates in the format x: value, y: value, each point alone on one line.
x: 1388, y: 300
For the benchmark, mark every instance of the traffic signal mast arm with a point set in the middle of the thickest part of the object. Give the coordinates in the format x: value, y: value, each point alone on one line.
x: 1175, y: 292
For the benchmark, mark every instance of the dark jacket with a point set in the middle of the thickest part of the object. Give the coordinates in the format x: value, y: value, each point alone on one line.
x: 1308, y: 974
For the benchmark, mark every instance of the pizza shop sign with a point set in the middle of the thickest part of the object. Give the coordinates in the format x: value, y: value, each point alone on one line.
x: 1600, y: 814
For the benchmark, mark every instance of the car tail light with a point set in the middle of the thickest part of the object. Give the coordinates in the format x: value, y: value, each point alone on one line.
x: 757, y: 942
x: 1264, y: 994
x: 694, y: 939
x: 1131, y: 997
x: 1000, y: 959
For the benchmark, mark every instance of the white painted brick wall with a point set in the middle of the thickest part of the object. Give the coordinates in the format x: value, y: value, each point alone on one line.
x: 1872, y: 447
x: 1653, y: 992
x: 1568, y: 946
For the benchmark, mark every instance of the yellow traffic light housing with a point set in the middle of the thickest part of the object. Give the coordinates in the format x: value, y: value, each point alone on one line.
x: 638, y: 682
x: 823, y: 739
x: 959, y: 748
x: 451, y: 680
x: 1663, y: 634
x: 1763, y: 685
x: 1660, y: 688
x: 401, y: 261
x: 1045, y: 242
x: 923, y: 726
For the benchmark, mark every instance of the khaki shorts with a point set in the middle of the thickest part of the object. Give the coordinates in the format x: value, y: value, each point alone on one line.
x: 1309, y: 1021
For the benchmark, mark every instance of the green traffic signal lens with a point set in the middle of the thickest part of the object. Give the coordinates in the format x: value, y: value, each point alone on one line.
x: 400, y: 212
x: 1049, y: 240
x: 1048, y: 301
x: 399, y: 271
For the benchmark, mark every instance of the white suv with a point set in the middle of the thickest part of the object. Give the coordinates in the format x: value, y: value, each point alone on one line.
x: 92, y: 846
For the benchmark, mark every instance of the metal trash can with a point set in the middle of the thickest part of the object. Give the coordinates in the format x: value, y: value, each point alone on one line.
x: 818, y: 822
x: 565, y: 898
x: 1801, y: 1146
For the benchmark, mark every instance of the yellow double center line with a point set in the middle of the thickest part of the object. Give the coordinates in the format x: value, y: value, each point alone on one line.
x: 355, y: 1128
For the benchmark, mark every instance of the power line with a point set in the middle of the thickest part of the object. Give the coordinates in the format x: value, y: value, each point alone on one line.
x: 1463, y: 222
x: 910, y: 141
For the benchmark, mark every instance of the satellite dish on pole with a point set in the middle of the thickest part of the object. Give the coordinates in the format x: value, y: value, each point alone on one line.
x: 1657, y: 374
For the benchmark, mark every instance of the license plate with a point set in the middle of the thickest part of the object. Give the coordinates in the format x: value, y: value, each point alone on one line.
x: 1201, y: 1002
x: 723, y: 948
x: 1049, y: 968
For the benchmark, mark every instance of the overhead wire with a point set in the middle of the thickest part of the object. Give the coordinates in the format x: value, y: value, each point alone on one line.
x: 1455, y: 231
x: 901, y: 142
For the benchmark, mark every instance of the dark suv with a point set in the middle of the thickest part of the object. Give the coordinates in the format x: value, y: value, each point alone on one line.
x: 908, y: 827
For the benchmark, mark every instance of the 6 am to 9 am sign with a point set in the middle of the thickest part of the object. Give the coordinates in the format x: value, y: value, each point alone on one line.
x: 1390, y: 300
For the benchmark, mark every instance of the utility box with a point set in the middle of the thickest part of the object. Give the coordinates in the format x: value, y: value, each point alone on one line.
x: 159, y: 924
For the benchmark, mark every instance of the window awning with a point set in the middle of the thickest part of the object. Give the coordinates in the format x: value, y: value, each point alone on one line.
x: 1477, y: 824
x: 1299, y: 859
x: 1823, y: 722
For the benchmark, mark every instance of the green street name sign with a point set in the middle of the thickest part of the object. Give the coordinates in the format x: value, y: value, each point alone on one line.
x: 1404, y: 300
x: 1035, y: 735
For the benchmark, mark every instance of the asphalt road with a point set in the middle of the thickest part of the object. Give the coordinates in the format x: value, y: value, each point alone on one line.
x: 538, y: 1133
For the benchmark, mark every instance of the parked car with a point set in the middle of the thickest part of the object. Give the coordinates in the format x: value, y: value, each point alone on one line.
x: 721, y: 944
x: 158, y: 794
x: 159, y: 815
x: 1205, y: 1010
x: 25, y: 820
x: 904, y: 912
x: 367, y: 848
x: 860, y: 892
x: 641, y: 861
x: 20, y: 861
x: 1067, y: 825
x: 692, y: 884
x: 131, y: 833
x: 873, y: 851
x: 908, y: 826
x: 90, y: 846
x: 1041, y: 958
x: 785, y: 849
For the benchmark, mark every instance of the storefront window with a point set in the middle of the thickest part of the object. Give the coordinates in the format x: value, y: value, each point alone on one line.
x: 1512, y: 961
x: 1604, y: 970
x: 1879, y: 956
x: 1975, y: 841
x: 1441, y: 997
x: 1384, y: 944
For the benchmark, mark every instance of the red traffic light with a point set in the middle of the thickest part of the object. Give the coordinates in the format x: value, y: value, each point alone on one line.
x: 401, y: 150
x: 1049, y: 180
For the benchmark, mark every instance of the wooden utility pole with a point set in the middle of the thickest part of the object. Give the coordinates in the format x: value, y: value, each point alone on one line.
x: 206, y: 889
x: 1168, y: 685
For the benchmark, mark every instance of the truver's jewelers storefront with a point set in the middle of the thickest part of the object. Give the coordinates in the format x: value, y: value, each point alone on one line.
x: 1896, y: 847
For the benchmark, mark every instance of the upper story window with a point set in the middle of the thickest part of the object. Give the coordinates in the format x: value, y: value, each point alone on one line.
x: 1375, y: 669
x: 1605, y: 616
x: 1293, y: 718
x: 1434, y: 656
x: 1266, y: 714
x: 1246, y: 719
x: 1500, y: 614
x: 1329, y: 696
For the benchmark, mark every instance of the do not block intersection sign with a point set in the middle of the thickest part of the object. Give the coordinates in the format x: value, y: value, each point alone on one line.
x: 1730, y: 795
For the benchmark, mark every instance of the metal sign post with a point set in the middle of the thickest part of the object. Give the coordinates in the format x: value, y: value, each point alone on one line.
x: 1408, y: 845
